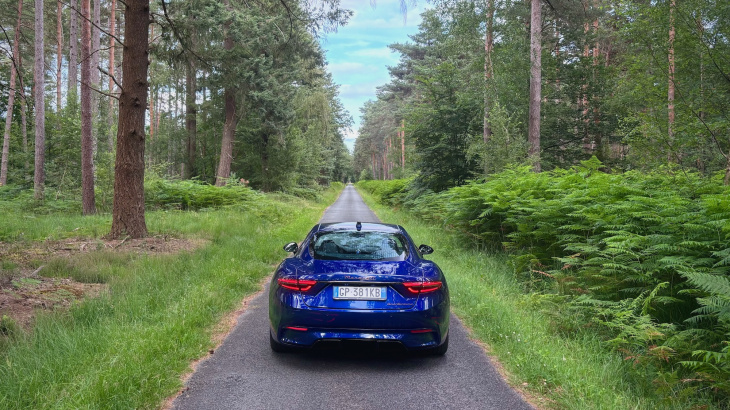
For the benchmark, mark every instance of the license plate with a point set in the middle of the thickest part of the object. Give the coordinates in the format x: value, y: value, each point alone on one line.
x: 360, y: 293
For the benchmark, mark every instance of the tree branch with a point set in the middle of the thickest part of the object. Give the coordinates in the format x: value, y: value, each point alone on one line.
x: 92, y: 23
x: 100, y: 92
x: 15, y: 64
x: 112, y: 77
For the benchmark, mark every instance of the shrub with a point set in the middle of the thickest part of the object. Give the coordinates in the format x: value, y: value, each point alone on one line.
x: 644, y: 257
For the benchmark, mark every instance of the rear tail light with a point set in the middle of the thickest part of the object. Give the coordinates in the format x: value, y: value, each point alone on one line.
x: 296, y: 284
x: 422, y: 287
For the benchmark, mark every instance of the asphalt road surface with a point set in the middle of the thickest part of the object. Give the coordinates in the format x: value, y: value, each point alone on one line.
x: 244, y: 373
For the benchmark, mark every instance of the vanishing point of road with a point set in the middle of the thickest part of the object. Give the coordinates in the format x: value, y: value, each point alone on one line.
x: 245, y: 374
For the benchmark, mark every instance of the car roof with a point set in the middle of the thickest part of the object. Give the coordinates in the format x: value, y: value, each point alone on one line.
x: 365, y: 226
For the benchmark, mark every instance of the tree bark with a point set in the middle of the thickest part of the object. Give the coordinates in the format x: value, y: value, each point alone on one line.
x: 87, y: 153
x: 112, y: 44
x: 403, y: 145
x: 59, y: 52
x: 229, y: 131
x: 488, y: 68
x: 535, y: 84
x: 73, y: 50
x: 95, y: 75
x: 191, y: 113
x: 229, y: 128
x: 670, y: 91
x: 15, y: 64
x: 39, y: 72
x: 128, y: 210
x: 24, y: 132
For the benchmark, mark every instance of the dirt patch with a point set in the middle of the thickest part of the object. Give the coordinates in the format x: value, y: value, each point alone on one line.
x: 24, y: 290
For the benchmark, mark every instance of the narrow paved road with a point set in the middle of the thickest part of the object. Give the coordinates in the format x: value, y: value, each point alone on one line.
x: 245, y: 374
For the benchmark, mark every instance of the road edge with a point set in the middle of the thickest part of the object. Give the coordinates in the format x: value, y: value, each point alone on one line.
x: 221, y: 330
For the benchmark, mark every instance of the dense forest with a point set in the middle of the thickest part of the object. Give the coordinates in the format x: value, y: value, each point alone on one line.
x: 589, y: 141
x: 237, y: 91
x: 637, y: 84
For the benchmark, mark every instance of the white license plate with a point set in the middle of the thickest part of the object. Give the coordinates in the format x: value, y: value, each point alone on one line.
x: 360, y: 293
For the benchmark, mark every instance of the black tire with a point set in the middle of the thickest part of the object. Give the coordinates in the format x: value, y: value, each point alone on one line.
x: 276, y: 346
x: 441, y: 350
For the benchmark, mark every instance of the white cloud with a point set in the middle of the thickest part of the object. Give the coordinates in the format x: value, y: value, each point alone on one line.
x: 346, y: 68
x: 382, y: 53
x: 350, y: 137
x: 360, y: 90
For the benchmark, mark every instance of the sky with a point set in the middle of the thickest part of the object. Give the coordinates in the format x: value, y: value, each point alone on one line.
x: 358, y: 55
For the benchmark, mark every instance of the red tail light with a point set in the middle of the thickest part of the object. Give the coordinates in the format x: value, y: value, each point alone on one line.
x: 296, y: 284
x: 422, y: 287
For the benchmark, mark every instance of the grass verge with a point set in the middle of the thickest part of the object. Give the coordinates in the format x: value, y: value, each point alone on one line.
x: 129, y: 347
x: 565, y: 373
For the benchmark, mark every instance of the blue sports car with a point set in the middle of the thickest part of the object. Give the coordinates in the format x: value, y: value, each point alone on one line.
x: 364, y: 282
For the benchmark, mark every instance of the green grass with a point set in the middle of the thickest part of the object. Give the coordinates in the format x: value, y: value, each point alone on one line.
x: 129, y: 347
x: 564, y: 372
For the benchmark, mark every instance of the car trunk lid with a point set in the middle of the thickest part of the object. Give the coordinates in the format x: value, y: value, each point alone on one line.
x: 353, y: 285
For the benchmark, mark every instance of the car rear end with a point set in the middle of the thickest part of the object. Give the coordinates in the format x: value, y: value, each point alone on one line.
x: 396, y: 299
x: 402, y: 308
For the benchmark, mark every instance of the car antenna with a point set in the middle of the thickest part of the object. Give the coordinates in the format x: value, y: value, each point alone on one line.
x: 358, y: 226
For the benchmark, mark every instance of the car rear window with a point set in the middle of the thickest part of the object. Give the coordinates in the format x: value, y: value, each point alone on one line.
x: 359, y: 245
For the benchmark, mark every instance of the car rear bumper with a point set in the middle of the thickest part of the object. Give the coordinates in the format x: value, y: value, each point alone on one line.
x: 414, y: 329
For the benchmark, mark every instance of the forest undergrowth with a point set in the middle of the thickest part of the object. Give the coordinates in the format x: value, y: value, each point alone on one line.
x: 632, y: 266
x: 129, y: 347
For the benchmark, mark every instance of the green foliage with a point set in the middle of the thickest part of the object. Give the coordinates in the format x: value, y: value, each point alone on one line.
x: 129, y: 347
x: 642, y: 258
x: 194, y: 195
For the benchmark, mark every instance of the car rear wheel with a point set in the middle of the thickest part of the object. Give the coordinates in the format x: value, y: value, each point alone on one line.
x: 276, y: 346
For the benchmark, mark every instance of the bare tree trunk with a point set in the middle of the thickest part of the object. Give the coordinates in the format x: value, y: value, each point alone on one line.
x: 535, y: 84
x: 229, y: 128
x: 403, y: 145
x: 191, y: 112
x: 59, y: 52
x: 39, y: 72
x: 24, y: 132
x: 112, y: 44
x: 488, y: 68
x: 152, y: 114
x: 229, y: 131
x: 670, y: 91
x: 15, y: 64
x: 128, y: 211
x: 87, y: 154
x: 73, y: 50
x: 95, y: 75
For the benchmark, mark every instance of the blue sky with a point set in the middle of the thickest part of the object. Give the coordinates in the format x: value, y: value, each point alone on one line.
x: 358, y: 54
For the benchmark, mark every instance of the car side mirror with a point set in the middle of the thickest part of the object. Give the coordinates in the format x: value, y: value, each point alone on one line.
x: 425, y: 249
x: 291, y: 247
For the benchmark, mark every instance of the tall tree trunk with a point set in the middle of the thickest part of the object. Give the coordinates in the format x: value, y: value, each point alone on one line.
x: 95, y: 75
x: 39, y: 72
x: 59, y: 52
x: 403, y: 145
x: 229, y: 131
x: 15, y: 64
x: 535, y: 84
x: 87, y: 154
x: 112, y: 44
x: 24, y: 132
x: 229, y: 128
x: 670, y: 91
x: 488, y: 69
x: 128, y: 210
x: 73, y: 50
x: 191, y: 113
